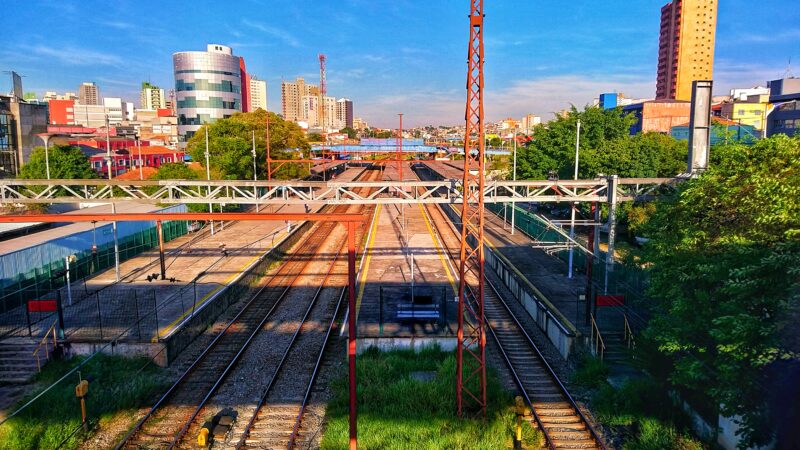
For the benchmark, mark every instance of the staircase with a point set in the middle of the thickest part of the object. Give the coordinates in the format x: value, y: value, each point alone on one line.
x: 17, y: 361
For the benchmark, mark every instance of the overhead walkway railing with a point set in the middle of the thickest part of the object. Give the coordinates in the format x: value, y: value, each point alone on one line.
x: 312, y: 192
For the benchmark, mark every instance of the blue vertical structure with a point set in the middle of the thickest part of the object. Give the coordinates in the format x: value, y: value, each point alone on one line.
x: 608, y: 100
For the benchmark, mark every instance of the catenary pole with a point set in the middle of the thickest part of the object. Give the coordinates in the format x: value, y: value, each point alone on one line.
x: 572, y: 214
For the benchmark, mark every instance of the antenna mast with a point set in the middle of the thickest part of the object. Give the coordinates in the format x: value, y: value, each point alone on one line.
x: 322, y: 91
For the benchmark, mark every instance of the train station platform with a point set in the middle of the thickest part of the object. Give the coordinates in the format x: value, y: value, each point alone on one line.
x: 539, y: 278
x: 144, y: 314
x: 388, y: 316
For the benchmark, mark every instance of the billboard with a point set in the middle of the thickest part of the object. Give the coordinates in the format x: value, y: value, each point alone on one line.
x: 17, y: 82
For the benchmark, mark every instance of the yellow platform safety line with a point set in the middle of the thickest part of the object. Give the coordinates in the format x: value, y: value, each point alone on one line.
x: 208, y: 296
x: 439, y: 250
x: 365, y: 269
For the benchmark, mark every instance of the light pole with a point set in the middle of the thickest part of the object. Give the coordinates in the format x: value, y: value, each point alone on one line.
x: 113, y: 205
x: 572, y: 216
x: 255, y: 168
x: 514, y: 204
x: 208, y: 178
x: 47, y: 155
x: 141, y: 161
x: 108, y: 147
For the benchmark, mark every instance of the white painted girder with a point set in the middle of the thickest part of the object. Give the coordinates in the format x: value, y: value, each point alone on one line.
x: 319, y: 192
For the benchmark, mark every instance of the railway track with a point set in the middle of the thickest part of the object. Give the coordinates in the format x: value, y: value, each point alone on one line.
x: 173, y: 422
x: 555, y: 413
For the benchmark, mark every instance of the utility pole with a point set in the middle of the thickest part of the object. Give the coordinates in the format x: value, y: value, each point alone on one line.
x: 208, y: 178
x: 513, y: 204
x: 572, y: 215
x: 108, y: 148
x: 47, y: 155
x: 255, y: 168
x: 141, y: 161
x: 113, y: 205
x: 400, y: 150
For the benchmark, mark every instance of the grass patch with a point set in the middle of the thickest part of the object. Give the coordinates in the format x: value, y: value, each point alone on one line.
x: 396, y: 411
x: 117, y: 385
x: 640, y: 410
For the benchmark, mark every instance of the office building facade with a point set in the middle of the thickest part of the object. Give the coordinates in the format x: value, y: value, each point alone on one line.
x: 686, y: 47
x: 258, y: 94
x: 344, y: 112
x: 784, y: 116
x: 152, y: 97
x: 292, y: 94
x: 208, y: 87
x: 88, y: 94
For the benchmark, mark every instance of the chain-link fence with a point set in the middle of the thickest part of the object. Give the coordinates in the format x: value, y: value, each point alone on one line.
x: 624, y: 280
x: 71, y: 279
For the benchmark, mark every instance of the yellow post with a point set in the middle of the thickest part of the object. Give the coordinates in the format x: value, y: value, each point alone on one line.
x: 80, y: 391
x: 202, y: 437
x: 520, y: 407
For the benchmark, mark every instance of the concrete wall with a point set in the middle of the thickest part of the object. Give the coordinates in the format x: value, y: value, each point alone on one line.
x: 558, y: 330
x: 230, y: 294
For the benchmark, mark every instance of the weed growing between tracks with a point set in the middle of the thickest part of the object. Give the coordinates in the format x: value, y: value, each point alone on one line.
x: 117, y: 386
x: 640, y: 410
x: 396, y: 411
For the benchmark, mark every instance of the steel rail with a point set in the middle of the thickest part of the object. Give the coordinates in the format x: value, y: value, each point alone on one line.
x: 195, y: 364
x: 550, y: 372
x: 317, y: 366
x: 263, y: 399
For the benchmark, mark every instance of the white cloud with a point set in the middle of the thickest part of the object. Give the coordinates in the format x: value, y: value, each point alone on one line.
x: 286, y: 37
x: 76, y: 56
x: 543, y: 96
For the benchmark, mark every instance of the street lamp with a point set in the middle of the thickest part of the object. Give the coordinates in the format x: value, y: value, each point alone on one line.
x: 208, y: 178
x: 255, y: 169
x: 514, y: 175
x: 47, y: 155
x: 141, y: 162
x: 572, y: 216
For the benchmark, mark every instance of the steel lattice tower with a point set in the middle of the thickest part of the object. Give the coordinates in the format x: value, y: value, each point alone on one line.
x: 471, y: 353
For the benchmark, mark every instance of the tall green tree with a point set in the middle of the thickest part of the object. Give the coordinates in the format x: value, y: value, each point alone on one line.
x: 66, y: 162
x: 231, y: 141
x: 180, y: 171
x: 605, y: 147
x: 724, y: 263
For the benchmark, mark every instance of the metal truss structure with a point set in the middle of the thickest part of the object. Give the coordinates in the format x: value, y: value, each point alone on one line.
x: 331, y: 192
x: 471, y: 350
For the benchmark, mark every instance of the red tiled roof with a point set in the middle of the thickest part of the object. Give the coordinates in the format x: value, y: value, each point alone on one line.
x: 133, y: 174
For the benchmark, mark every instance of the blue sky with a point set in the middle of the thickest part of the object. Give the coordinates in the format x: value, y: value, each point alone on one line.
x: 390, y: 56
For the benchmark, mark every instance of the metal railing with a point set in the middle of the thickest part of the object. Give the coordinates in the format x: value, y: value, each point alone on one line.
x: 45, y: 343
x: 596, y: 340
x: 628, y: 333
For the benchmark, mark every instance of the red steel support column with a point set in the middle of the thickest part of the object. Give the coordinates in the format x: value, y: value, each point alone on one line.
x: 471, y: 352
x: 269, y: 157
x: 161, y: 250
x: 351, y: 329
x: 400, y: 150
x: 590, y: 267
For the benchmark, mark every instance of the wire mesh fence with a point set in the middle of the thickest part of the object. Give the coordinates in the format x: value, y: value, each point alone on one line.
x: 630, y: 282
x: 71, y: 279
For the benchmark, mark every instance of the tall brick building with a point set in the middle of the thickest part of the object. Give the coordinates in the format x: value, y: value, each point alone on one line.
x: 686, y: 47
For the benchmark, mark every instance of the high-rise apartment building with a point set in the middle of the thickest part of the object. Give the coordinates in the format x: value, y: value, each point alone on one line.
x: 88, y: 94
x: 258, y: 94
x: 245, y: 77
x: 344, y: 112
x: 686, y: 47
x: 152, y: 97
x: 208, y: 87
x: 292, y: 94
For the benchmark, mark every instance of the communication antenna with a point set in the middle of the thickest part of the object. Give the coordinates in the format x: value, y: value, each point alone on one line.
x: 322, y: 91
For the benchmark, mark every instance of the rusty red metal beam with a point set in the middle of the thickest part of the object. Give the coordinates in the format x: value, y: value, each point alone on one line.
x: 471, y: 350
x: 136, y: 217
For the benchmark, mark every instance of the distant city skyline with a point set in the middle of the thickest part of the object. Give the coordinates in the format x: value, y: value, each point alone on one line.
x: 541, y: 57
